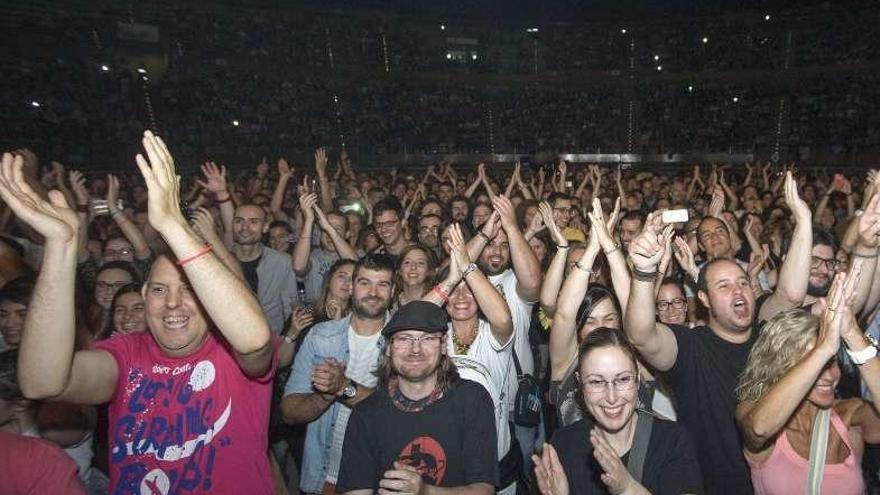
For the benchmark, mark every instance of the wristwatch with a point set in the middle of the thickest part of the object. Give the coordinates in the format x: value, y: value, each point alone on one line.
x: 468, y: 270
x: 866, y: 354
x: 350, y: 390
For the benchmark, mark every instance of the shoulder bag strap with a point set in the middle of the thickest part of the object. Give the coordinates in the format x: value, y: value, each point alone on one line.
x: 635, y: 464
x: 818, y: 449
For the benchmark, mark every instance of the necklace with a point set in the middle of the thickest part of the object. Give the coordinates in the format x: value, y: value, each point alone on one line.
x: 460, y: 347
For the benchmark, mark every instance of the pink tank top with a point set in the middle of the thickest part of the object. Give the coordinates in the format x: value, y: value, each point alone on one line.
x: 785, y: 472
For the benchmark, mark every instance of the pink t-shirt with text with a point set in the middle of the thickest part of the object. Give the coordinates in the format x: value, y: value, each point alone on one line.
x: 186, y: 425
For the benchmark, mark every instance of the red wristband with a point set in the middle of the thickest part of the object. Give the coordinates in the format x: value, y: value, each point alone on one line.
x: 205, y: 250
x: 440, y: 292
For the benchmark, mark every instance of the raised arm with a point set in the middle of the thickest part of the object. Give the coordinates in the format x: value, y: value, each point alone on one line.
x: 203, y: 223
x: 81, y: 193
x: 761, y: 421
x: 556, y: 271
x: 866, y: 251
x: 48, y: 368
x: 324, y: 184
x: 481, y: 168
x: 129, y: 230
x: 284, y: 174
x: 563, y: 334
x: 795, y: 271
x: 227, y: 300
x: 215, y: 185
x: 307, y: 204
x: 343, y: 248
x: 603, y: 228
x: 525, y: 265
x: 654, y: 341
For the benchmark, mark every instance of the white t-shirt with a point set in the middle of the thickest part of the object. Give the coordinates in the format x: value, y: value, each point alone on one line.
x: 363, y: 357
x: 486, y: 363
x: 521, y: 312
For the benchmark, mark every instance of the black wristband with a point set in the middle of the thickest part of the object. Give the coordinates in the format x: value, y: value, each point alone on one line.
x: 645, y: 276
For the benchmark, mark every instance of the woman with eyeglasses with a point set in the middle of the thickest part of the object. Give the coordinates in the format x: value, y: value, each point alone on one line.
x: 582, y: 308
x: 797, y: 436
x: 622, y: 450
x: 672, y: 305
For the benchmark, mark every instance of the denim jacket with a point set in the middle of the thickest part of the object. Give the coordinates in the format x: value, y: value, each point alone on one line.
x: 324, y: 340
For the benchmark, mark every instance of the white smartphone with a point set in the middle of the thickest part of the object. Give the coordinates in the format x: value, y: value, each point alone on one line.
x: 674, y: 216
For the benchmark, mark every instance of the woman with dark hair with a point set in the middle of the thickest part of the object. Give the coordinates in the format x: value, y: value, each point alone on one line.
x: 335, y: 299
x: 623, y: 449
x: 415, y: 274
x: 127, y: 312
x: 109, y: 279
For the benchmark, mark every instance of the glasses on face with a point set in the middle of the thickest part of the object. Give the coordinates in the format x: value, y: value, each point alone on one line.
x: 677, y: 303
x: 105, y: 287
x: 622, y: 383
x: 386, y: 225
x: 830, y: 263
x: 408, y: 341
x: 116, y: 252
x: 426, y: 229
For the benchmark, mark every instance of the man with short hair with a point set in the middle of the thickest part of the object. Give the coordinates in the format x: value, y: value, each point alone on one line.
x: 429, y: 232
x: 313, y: 264
x: 388, y: 221
x: 629, y: 227
x: 204, y: 368
x: 268, y: 272
x: 702, y: 365
x: 333, y: 371
x: 562, y: 213
x: 504, y: 255
x: 423, y: 426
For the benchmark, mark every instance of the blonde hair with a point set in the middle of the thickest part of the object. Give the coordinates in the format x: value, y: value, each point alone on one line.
x: 783, y: 342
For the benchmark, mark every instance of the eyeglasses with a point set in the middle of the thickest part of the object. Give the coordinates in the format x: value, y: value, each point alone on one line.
x: 426, y: 229
x: 104, y: 286
x: 675, y: 303
x: 830, y: 263
x: 623, y: 383
x: 408, y: 341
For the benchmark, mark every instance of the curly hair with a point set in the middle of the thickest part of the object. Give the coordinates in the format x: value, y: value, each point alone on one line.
x: 783, y: 342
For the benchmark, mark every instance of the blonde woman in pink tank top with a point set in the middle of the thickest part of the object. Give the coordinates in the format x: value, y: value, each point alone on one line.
x: 791, y: 376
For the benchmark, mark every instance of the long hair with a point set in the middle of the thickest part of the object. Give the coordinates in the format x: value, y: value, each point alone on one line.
x: 320, y: 303
x: 447, y: 373
x: 430, y: 277
x: 595, y: 294
x: 135, y: 288
x: 783, y: 342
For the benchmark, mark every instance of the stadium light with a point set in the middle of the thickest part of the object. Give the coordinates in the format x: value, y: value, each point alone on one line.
x: 105, y: 68
x: 656, y: 57
x: 705, y: 40
x: 659, y: 67
x: 623, y: 31
x: 767, y: 17
x: 532, y: 30
x: 736, y: 99
x: 448, y: 56
x: 35, y: 104
x: 690, y: 89
x: 442, y: 27
x: 235, y: 123
x: 473, y: 56
x: 141, y: 70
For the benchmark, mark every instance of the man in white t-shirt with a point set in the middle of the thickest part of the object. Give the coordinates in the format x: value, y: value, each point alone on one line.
x: 504, y: 255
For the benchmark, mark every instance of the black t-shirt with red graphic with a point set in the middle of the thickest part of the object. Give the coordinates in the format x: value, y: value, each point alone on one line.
x: 451, y: 442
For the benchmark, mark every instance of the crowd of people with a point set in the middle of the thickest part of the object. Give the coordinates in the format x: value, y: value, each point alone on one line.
x: 554, y: 329
x: 379, y: 86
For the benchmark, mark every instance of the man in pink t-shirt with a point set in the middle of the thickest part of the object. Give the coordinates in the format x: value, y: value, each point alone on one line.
x: 189, y: 401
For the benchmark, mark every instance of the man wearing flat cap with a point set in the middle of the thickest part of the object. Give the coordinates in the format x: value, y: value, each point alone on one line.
x: 423, y: 429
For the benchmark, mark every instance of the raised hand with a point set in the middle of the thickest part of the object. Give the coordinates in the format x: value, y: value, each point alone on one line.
x: 459, y: 258
x: 685, y: 257
x: 321, y: 162
x: 868, y: 226
x: 646, y: 250
x: 52, y: 219
x: 112, y: 193
x: 492, y: 225
x: 506, y: 211
x: 284, y: 169
x: 599, y: 227
x: 307, y: 203
x: 546, y: 213
x: 215, y: 179
x: 716, y: 206
x: 163, y: 184
x: 78, y: 185
x: 203, y: 223
x: 549, y: 472
x: 757, y: 262
x: 798, y: 207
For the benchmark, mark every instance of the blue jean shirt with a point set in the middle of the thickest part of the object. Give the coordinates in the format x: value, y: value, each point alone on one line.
x: 325, y: 340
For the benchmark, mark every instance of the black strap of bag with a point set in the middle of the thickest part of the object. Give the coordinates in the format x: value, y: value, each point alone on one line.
x: 635, y: 464
x: 527, y: 403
